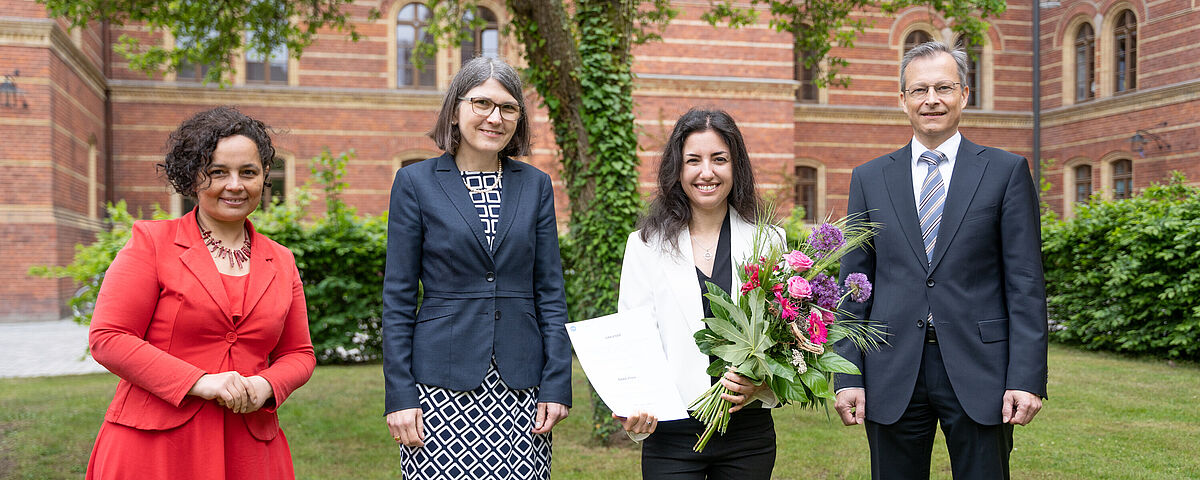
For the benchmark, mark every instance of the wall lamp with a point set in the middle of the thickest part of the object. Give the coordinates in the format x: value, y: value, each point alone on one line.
x: 13, y: 97
x: 1141, y: 137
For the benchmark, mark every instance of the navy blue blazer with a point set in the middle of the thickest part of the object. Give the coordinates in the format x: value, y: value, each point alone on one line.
x: 508, y: 302
x: 984, y: 286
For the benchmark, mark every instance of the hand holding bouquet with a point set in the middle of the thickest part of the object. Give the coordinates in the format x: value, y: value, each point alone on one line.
x: 782, y: 327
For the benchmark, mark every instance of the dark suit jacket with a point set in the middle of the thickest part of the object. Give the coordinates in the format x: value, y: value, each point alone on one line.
x: 984, y: 286
x: 163, y: 319
x: 508, y: 302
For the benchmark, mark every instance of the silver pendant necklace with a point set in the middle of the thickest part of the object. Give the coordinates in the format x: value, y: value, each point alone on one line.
x: 708, y: 255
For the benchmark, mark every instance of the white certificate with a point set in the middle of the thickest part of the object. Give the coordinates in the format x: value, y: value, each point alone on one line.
x: 623, y: 359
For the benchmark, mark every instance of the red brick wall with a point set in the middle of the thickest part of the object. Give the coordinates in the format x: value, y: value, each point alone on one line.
x: 344, y: 99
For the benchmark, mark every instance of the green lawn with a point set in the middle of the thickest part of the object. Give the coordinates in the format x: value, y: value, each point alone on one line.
x: 1108, y: 417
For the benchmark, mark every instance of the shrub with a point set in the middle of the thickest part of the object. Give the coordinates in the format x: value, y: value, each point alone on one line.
x: 91, y: 261
x: 1124, y: 275
x: 341, y: 259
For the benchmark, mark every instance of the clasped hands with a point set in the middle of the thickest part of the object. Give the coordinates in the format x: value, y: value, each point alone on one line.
x: 742, y: 389
x: 233, y: 391
x: 407, y: 427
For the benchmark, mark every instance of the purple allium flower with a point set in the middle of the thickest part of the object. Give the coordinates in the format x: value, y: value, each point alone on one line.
x: 859, y: 286
x: 826, y: 238
x: 825, y: 291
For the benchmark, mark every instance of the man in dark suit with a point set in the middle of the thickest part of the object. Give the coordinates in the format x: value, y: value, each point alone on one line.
x: 958, y: 284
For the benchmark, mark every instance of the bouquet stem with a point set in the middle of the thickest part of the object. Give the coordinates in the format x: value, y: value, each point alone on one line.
x: 713, y: 411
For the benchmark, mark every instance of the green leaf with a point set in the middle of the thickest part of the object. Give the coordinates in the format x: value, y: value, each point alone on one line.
x: 780, y: 369
x: 816, y: 382
x: 831, y: 362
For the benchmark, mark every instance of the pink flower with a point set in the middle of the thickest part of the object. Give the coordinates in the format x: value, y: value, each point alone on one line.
x: 798, y: 287
x: 778, y: 289
x: 788, y: 310
x: 827, y: 317
x: 751, y: 284
x: 798, y: 261
x: 816, y: 328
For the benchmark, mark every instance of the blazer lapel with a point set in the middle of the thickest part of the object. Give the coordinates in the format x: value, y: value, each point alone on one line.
x: 964, y: 182
x: 684, y: 286
x: 262, y: 270
x: 199, y: 261
x: 452, y: 185
x: 741, y: 247
x: 898, y: 178
x: 510, y: 198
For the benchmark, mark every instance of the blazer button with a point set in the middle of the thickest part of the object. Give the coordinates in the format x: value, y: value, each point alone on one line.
x: 231, y: 337
x: 491, y: 277
x: 920, y: 324
x: 929, y: 282
x: 497, y: 314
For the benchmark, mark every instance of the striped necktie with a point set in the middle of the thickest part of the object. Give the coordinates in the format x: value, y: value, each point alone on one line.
x: 933, y: 198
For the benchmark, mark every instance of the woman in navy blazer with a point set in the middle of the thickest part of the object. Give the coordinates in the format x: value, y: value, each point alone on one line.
x: 484, y: 359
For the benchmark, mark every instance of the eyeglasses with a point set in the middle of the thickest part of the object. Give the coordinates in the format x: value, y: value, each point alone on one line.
x: 484, y: 107
x: 921, y: 91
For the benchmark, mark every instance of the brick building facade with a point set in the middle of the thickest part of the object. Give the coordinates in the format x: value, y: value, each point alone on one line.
x: 1119, y: 110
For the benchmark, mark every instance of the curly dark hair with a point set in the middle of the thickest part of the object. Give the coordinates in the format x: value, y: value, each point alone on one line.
x: 671, y: 210
x: 190, y: 147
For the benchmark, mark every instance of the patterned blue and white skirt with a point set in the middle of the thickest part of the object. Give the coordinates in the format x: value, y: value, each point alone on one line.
x: 485, y: 433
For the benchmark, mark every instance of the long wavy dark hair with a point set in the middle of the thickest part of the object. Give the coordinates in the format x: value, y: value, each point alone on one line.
x: 671, y: 211
x: 190, y: 147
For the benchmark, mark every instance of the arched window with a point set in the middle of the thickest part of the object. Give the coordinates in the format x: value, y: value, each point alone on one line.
x: 916, y: 37
x: 1122, y: 178
x: 270, y: 68
x: 483, y: 41
x: 1125, y: 52
x: 806, y: 192
x: 805, y: 74
x: 1083, y: 183
x: 411, y: 161
x: 278, y: 189
x: 974, y: 74
x: 1085, y: 73
x: 412, y: 27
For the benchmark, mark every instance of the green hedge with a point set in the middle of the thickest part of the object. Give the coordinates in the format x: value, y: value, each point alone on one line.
x: 1124, y: 276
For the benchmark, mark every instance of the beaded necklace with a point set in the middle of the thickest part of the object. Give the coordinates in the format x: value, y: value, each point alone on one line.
x: 241, y: 255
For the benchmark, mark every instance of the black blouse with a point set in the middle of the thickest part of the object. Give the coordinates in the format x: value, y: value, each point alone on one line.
x: 722, y: 271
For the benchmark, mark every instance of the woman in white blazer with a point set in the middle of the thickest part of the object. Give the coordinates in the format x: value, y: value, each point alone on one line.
x: 699, y: 227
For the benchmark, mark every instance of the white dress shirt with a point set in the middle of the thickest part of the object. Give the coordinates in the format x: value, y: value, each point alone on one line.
x: 949, y: 148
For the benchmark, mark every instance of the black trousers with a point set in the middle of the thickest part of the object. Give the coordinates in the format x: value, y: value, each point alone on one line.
x: 745, y: 452
x: 901, y: 451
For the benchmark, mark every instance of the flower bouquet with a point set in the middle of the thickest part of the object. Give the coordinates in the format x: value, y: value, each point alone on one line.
x: 782, y: 328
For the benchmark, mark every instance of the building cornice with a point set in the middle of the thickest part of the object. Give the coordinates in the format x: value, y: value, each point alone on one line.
x: 46, y: 33
x: 858, y: 115
x: 151, y: 91
x: 1122, y: 104
x: 662, y: 85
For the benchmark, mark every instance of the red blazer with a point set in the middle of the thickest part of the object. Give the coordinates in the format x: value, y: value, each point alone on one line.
x: 162, y: 321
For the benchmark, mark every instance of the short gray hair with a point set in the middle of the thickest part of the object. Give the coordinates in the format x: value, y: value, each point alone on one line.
x: 476, y: 71
x: 929, y: 49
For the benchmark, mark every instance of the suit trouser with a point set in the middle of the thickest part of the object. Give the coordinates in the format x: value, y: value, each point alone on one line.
x: 745, y: 452
x: 902, y: 450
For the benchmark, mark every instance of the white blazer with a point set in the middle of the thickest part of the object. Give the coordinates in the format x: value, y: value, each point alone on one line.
x: 654, y: 275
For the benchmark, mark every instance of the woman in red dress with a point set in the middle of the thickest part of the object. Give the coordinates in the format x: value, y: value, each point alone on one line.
x: 204, y: 321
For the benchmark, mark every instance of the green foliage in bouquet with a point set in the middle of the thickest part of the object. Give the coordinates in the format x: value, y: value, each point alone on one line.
x: 1124, y: 275
x: 782, y: 327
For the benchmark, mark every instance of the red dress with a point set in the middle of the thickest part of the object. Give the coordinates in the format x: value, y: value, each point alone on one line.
x: 153, y: 429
